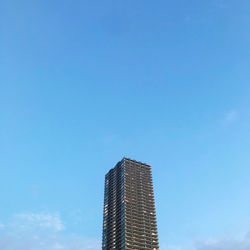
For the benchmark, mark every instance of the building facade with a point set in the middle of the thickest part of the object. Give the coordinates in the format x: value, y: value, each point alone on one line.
x: 129, y: 219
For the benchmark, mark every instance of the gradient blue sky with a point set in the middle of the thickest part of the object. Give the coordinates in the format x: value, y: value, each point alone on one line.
x: 84, y: 83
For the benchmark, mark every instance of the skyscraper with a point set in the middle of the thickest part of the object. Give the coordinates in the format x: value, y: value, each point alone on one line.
x: 129, y: 219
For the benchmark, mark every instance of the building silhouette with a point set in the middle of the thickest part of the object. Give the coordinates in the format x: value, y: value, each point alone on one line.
x: 129, y: 219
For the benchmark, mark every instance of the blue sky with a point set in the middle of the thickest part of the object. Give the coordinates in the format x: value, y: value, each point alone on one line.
x: 84, y: 83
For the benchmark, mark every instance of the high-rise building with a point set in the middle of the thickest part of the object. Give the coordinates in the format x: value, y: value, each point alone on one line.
x: 129, y: 219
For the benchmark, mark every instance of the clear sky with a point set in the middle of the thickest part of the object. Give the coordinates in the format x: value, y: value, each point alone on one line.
x: 84, y: 83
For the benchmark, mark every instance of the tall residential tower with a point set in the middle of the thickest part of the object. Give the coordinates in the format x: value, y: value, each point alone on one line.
x: 129, y: 219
